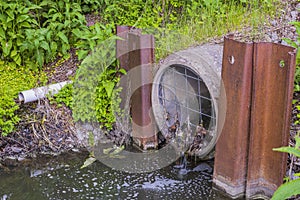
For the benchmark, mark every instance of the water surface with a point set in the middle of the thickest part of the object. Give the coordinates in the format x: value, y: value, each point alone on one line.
x: 61, y: 178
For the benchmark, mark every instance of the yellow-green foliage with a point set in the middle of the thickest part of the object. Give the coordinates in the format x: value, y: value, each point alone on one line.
x: 12, y: 81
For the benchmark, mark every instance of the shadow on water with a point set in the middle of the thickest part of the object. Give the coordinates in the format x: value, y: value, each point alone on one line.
x: 62, y: 178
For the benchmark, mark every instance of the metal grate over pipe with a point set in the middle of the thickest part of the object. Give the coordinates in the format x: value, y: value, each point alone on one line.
x: 184, y: 98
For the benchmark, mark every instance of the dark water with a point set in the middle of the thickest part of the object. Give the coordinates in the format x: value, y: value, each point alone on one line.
x: 61, y: 178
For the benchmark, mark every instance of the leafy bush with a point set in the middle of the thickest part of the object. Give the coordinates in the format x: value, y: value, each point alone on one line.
x: 292, y: 187
x: 90, y: 37
x: 33, y: 34
x: 15, y: 18
x: 93, y: 96
x: 107, y: 98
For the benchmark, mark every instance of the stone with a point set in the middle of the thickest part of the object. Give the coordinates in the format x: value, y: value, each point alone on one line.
x: 294, y: 15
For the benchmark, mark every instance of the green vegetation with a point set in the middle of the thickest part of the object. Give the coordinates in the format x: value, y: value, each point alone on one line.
x: 291, y: 187
x: 179, y: 24
x: 34, y: 33
x: 12, y: 81
x: 296, y: 103
x: 296, y: 44
x: 65, y: 96
x: 94, y: 85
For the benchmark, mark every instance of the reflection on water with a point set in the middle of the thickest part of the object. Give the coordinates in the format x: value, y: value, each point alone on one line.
x: 62, y: 178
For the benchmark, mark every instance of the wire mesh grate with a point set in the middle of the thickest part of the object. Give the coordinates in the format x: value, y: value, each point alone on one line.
x: 184, y: 98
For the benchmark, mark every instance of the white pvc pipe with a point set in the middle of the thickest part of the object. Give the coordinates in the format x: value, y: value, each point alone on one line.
x: 41, y: 92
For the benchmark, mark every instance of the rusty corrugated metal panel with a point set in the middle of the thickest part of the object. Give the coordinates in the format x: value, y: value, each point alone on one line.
x: 141, y: 58
x: 270, y: 117
x: 232, y: 146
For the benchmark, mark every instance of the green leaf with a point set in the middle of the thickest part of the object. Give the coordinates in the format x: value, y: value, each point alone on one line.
x: 113, y: 150
x: 53, y: 47
x: 109, y: 86
x: 40, y: 58
x: 17, y: 59
x: 290, y: 150
x: 122, y: 71
x: 13, y: 53
x: 48, y: 36
x: 117, y: 150
x: 287, y: 190
x: 6, y: 47
x: 45, y: 46
x: 82, y: 54
x: 22, y: 18
x: 31, y: 8
x: 88, y: 162
x: 33, y: 21
x: 63, y: 37
x: 2, y: 33
x: 10, y: 13
x: 297, y: 174
x: 36, y: 43
x: 65, y: 48
x: 97, y: 28
x: 67, y: 23
x: 2, y: 18
x: 297, y: 139
x: 25, y: 24
x: 57, y: 15
x: 76, y: 32
x: 108, y: 150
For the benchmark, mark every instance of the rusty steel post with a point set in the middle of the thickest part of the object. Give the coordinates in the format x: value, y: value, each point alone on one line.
x: 274, y: 68
x: 122, y: 51
x: 122, y: 54
x: 141, y: 59
x: 232, y: 147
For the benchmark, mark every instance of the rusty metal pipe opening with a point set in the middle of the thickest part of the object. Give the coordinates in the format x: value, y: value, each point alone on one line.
x: 184, y: 98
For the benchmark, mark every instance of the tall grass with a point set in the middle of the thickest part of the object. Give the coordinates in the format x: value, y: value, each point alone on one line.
x: 211, y: 19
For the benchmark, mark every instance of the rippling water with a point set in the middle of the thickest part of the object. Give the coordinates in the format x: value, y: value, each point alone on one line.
x: 62, y: 178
